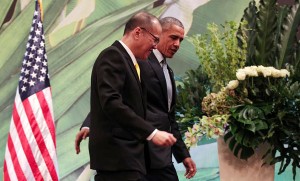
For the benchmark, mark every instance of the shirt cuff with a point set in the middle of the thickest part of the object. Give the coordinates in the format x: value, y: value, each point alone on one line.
x: 152, y: 135
x: 85, y: 127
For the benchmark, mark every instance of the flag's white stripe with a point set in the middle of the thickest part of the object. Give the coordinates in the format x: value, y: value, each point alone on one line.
x: 10, y: 171
x: 29, y: 134
x: 20, y: 153
x: 48, y: 96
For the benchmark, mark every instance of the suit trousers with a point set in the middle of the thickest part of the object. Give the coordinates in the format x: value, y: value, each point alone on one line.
x: 164, y: 174
x: 119, y: 176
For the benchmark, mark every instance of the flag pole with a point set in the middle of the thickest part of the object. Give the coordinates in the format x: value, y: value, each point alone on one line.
x: 41, y: 9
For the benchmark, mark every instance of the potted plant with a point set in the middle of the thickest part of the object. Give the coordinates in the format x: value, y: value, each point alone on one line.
x: 262, y: 109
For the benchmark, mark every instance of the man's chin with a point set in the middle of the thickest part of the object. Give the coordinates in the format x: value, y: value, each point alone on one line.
x: 169, y: 56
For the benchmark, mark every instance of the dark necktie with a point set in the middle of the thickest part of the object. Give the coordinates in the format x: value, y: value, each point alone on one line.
x: 168, y: 82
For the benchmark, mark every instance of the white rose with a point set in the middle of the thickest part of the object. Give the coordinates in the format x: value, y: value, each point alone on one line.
x: 232, y: 84
x: 267, y: 71
x: 284, y: 73
x: 276, y: 73
x: 260, y: 69
x: 240, y: 75
x: 250, y: 71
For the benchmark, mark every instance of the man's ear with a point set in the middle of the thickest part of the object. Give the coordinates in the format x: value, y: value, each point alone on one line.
x: 137, y: 32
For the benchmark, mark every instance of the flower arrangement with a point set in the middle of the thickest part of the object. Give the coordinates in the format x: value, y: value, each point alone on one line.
x: 264, y: 102
x: 261, y: 106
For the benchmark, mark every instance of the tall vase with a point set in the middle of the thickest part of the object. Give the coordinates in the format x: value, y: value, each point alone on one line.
x: 234, y: 169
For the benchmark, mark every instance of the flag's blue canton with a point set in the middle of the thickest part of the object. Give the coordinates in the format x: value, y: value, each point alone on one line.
x: 34, y: 73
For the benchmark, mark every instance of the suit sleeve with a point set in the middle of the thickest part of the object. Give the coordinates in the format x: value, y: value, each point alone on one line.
x: 87, y: 121
x: 179, y: 149
x: 112, y: 71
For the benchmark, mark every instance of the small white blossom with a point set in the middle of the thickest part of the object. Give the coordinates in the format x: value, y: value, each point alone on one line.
x: 284, y: 73
x: 276, y: 73
x: 240, y: 75
x: 267, y: 71
x: 232, y: 84
x: 251, y: 71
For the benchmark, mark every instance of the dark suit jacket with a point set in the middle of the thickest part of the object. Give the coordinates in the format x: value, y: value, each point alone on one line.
x: 158, y: 114
x: 118, y: 130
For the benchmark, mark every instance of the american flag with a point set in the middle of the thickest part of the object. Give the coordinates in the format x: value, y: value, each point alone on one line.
x: 31, y: 145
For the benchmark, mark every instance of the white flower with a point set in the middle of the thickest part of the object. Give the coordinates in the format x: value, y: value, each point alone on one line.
x: 240, y: 74
x: 254, y: 67
x: 276, y: 73
x: 251, y: 71
x: 232, y: 84
x: 260, y: 69
x: 267, y: 71
x: 284, y: 73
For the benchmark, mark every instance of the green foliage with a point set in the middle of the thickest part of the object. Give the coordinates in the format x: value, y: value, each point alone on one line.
x: 272, y: 116
x: 285, y: 128
x: 219, y: 52
x: 272, y: 41
x: 272, y: 36
x: 190, y: 91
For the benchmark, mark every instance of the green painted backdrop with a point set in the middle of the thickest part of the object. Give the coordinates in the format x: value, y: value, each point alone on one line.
x: 76, y: 31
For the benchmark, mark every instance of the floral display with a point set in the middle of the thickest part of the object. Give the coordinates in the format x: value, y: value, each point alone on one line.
x: 220, y: 106
x: 261, y: 106
x: 261, y: 100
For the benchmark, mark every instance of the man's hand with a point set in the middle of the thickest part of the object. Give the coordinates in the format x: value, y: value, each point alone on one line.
x: 162, y: 138
x: 190, y: 167
x: 82, y: 134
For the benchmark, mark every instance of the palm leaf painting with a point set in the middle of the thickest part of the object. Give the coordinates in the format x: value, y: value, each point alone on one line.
x: 73, y: 42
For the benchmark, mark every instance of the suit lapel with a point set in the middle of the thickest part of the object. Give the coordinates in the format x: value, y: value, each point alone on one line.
x: 129, y: 61
x: 160, y: 74
x: 132, y: 68
x: 173, y: 87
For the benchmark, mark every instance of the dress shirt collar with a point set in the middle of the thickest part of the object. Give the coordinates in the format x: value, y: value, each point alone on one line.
x: 129, y: 52
x: 159, y: 56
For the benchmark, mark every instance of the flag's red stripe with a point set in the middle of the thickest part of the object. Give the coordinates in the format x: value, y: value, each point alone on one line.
x: 25, y: 145
x: 14, y: 158
x: 39, y: 139
x: 47, y: 114
x: 5, y: 174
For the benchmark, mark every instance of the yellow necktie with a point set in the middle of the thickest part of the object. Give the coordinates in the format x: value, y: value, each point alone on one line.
x: 137, y: 67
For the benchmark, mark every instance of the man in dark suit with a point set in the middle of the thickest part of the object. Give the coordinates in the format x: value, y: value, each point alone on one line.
x: 161, y: 98
x: 118, y: 130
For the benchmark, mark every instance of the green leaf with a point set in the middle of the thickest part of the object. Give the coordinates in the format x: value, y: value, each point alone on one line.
x: 232, y: 144
x: 246, y: 153
x: 5, y: 5
x: 288, y: 34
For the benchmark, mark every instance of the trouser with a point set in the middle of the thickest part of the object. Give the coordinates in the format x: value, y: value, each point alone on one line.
x: 119, y: 176
x: 163, y: 174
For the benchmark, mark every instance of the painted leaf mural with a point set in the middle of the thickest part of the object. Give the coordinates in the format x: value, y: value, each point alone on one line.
x: 76, y: 31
